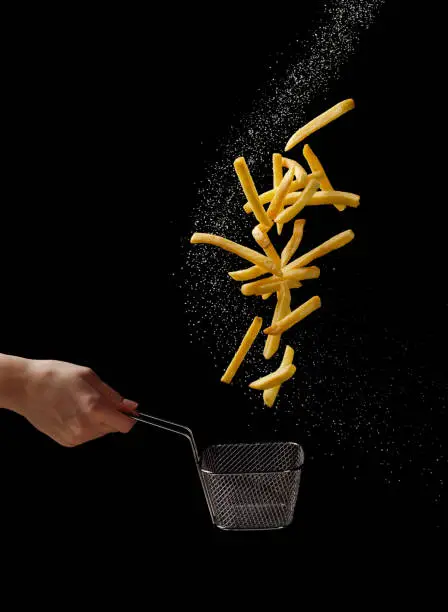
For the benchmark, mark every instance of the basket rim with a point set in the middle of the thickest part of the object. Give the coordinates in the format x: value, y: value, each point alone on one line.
x: 296, y: 469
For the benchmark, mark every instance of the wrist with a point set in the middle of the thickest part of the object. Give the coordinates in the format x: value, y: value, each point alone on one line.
x: 14, y: 379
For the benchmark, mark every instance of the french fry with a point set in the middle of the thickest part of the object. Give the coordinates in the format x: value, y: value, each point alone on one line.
x: 276, y: 204
x: 299, y: 274
x: 281, y: 325
x: 267, y: 196
x: 299, y: 171
x: 270, y: 395
x: 277, y: 172
x: 326, y: 197
x: 302, y: 200
x: 294, y: 242
x: 263, y: 240
x: 274, y: 379
x: 319, y: 122
x: 266, y: 296
x: 250, y: 191
x: 251, y: 288
x: 282, y: 308
x: 244, y: 347
x: 336, y: 242
x: 233, y: 247
x: 272, y: 284
x: 338, y: 198
x: 247, y: 274
x: 277, y: 169
x: 316, y: 166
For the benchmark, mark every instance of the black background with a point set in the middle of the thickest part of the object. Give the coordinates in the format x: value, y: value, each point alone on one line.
x: 102, y: 111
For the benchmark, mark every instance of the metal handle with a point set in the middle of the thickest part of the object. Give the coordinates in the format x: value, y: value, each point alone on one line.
x: 183, y: 431
x: 169, y: 426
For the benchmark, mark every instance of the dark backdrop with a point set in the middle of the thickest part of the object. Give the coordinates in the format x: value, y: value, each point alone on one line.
x: 101, y: 108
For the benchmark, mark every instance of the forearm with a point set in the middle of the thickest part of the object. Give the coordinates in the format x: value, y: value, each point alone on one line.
x: 13, y: 381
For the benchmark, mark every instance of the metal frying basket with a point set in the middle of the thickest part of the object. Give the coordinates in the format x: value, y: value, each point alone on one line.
x: 246, y: 486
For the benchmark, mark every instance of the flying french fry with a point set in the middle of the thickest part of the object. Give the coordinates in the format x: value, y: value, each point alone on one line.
x: 294, y: 242
x: 273, y: 283
x: 297, y: 315
x: 319, y: 122
x: 326, y: 197
x: 243, y: 349
x: 302, y: 200
x: 277, y: 169
x: 250, y: 191
x: 299, y: 171
x: 247, y: 274
x: 263, y: 240
x: 277, y: 172
x: 298, y: 274
x: 233, y: 247
x: 270, y: 395
x: 276, y: 204
x: 270, y: 286
x: 336, y: 242
x: 267, y: 196
x: 282, y: 308
x: 316, y: 166
x: 275, y: 378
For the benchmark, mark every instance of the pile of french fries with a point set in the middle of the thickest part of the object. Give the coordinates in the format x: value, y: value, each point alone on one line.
x: 292, y: 191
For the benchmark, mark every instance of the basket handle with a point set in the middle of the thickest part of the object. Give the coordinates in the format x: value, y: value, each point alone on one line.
x: 169, y: 426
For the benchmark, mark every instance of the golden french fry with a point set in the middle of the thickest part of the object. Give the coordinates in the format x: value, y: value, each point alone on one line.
x: 276, y: 204
x: 336, y: 242
x: 299, y: 171
x: 319, y: 122
x: 327, y: 197
x: 302, y: 200
x: 299, y: 274
x: 272, y: 284
x: 233, y: 247
x: 281, y: 325
x: 244, y: 347
x: 294, y: 242
x: 277, y: 172
x: 270, y: 395
x: 263, y: 240
x: 338, y: 198
x: 282, y: 308
x: 251, y: 288
x: 316, y: 166
x: 277, y: 169
x: 275, y: 378
x: 250, y: 191
x: 266, y: 296
x: 267, y: 196
x: 247, y: 274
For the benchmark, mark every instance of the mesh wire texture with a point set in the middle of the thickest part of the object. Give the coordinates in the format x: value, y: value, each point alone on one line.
x: 252, y: 486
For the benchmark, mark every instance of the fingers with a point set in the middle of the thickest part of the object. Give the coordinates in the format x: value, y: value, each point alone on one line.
x: 128, y: 405
x: 111, y: 417
x: 125, y: 405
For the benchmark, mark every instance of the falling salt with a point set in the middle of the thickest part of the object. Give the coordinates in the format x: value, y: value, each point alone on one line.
x: 340, y: 404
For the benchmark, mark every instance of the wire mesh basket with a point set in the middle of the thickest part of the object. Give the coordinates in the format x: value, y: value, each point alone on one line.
x: 247, y: 486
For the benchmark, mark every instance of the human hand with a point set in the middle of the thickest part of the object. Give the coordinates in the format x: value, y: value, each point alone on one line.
x: 71, y: 404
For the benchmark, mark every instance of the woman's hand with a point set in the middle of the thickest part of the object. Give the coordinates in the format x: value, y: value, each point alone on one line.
x: 70, y: 403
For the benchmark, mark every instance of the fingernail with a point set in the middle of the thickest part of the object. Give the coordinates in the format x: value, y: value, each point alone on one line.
x: 129, y: 404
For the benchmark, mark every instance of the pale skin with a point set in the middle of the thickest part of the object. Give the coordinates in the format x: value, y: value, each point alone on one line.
x: 67, y: 402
